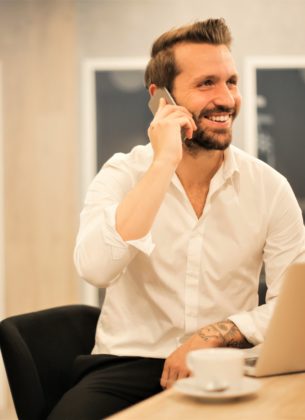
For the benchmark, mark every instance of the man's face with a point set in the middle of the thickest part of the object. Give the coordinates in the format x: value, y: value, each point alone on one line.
x: 207, y: 87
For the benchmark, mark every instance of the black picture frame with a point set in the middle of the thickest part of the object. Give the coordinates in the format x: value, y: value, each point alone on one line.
x: 274, y: 116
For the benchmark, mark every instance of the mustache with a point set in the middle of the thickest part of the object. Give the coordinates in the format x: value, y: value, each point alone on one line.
x: 220, y: 108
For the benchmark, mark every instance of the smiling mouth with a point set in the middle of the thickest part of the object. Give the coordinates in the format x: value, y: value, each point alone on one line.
x: 219, y: 118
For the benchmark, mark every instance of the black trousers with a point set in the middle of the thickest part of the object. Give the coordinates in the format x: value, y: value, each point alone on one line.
x: 104, y: 385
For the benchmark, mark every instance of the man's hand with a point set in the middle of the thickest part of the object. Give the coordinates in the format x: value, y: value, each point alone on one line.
x: 221, y: 334
x: 165, y: 132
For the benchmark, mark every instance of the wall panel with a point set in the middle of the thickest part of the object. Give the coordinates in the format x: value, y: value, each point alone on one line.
x: 38, y: 53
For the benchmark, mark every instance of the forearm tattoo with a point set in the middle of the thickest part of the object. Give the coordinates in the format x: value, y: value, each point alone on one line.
x: 225, y: 334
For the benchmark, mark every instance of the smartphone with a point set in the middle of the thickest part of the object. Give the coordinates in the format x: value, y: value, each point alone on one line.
x: 154, y: 101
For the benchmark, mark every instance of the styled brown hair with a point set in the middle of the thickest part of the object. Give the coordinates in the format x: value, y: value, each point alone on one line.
x: 162, y: 69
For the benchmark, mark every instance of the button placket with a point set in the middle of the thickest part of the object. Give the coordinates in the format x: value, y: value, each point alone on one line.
x: 192, y: 282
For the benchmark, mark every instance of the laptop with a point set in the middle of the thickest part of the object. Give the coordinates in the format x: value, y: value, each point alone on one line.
x: 283, y: 350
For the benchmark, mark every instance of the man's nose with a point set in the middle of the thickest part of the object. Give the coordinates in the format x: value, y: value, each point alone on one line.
x: 224, y: 96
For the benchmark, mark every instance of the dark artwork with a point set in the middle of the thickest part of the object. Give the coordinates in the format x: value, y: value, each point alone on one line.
x: 281, y: 124
x: 122, y: 115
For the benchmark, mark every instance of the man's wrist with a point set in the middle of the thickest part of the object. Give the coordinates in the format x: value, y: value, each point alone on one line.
x: 223, y: 334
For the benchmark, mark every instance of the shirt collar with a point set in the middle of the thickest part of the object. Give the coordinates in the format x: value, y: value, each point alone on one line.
x: 230, y: 169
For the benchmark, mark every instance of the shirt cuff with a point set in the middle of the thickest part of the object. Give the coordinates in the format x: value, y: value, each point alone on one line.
x: 113, y: 238
x: 246, y: 325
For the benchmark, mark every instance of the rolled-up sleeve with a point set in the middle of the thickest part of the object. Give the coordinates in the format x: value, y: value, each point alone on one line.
x: 285, y: 245
x: 100, y: 254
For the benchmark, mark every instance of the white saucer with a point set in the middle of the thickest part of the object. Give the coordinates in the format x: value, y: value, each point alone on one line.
x: 189, y: 386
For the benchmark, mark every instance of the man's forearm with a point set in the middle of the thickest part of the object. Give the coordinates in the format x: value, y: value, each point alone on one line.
x: 220, y: 334
x: 137, y: 212
x: 223, y: 334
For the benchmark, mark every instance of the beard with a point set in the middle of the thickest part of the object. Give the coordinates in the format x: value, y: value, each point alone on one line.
x: 210, y: 139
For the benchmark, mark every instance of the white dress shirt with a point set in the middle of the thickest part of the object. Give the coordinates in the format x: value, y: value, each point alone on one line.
x: 187, y: 272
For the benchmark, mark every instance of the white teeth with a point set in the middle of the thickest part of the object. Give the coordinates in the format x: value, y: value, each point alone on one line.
x: 220, y: 118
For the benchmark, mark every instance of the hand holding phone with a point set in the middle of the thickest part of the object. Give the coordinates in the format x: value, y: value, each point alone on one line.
x: 154, y: 101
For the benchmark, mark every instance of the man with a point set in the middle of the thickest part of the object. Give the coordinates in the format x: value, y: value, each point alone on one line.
x: 178, y: 231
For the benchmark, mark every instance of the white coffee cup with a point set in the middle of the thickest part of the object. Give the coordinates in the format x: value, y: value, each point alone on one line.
x: 216, y: 369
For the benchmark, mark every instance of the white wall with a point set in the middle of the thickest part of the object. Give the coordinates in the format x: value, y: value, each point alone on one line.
x: 117, y: 28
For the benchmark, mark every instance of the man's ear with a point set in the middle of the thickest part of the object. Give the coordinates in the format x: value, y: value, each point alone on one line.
x: 152, y: 88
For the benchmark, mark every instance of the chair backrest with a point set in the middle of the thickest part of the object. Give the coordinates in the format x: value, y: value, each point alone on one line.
x: 38, y: 351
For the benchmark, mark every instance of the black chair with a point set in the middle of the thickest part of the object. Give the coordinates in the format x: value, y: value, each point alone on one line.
x: 38, y: 351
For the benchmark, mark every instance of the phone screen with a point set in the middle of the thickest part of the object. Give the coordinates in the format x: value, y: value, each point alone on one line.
x: 155, y: 99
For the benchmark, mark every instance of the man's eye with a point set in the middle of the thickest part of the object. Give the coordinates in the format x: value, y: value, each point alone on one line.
x: 207, y: 82
x: 232, y: 82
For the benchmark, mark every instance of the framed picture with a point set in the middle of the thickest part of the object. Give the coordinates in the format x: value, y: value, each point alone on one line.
x: 274, y: 94
x: 115, y: 118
